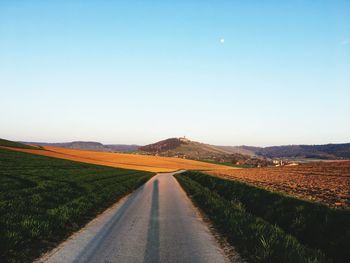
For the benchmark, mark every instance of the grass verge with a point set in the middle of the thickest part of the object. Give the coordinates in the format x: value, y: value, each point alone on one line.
x: 313, y: 224
x: 255, y: 238
x: 43, y: 200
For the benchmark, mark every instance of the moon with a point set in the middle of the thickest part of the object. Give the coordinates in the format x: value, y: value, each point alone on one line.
x: 222, y: 40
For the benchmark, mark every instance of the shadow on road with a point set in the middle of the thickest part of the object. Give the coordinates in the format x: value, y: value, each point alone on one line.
x: 152, y: 246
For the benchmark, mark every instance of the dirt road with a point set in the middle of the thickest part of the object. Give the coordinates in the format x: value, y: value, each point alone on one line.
x: 157, y: 223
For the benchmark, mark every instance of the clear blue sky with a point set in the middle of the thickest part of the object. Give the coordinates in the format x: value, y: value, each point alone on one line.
x: 141, y: 71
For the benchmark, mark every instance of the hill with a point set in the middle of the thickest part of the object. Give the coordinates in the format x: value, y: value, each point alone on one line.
x: 92, y: 146
x: 326, y: 151
x: 256, y: 156
x: 123, y: 147
x: 184, y: 148
x: 7, y: 143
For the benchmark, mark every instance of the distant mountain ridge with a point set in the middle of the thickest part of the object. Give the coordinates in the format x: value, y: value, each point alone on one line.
x: 185, y: 148
x: 325, y: 151
x: 91, y: 146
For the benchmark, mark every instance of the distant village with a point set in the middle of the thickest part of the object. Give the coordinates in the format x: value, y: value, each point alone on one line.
x: 281, y: 162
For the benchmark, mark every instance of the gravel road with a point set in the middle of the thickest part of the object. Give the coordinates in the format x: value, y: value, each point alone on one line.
x: 156, y: 223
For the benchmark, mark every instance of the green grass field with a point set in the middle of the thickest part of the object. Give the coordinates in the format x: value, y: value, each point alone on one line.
x: 43, y: 200
x: 270, y: 227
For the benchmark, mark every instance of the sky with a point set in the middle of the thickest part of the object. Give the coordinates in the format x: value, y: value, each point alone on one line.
x: 221, y: 72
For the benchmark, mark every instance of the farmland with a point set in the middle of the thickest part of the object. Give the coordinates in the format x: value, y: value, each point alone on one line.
x: 43, y: 199
x: 49, y: 192
x: 270, y: 227
x: 325, y: 182
x: 121, y: 160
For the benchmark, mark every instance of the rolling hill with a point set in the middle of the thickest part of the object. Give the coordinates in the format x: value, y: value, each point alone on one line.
x: 13, y: 144
x: 182, y: 147
x: 91, y: 146
x: 120, y: 160
x: 326, y: 151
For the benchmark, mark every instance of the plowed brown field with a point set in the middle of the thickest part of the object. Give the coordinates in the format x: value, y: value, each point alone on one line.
x: 120, y: 160
x: 325, y: 182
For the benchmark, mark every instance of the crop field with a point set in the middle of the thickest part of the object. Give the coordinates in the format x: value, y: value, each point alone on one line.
x: 325, y: 182
x: 265, y: 226
x: 127, y: 161
x: 43, y: 200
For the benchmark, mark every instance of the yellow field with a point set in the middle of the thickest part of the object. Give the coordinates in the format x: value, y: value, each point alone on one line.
x: 121, y: 160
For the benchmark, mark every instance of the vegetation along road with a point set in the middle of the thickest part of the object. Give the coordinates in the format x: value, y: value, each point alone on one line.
x: 44, y: 200
x: 157, y: 223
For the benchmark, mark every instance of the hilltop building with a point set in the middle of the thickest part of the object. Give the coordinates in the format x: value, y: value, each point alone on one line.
x: 184, y: 139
